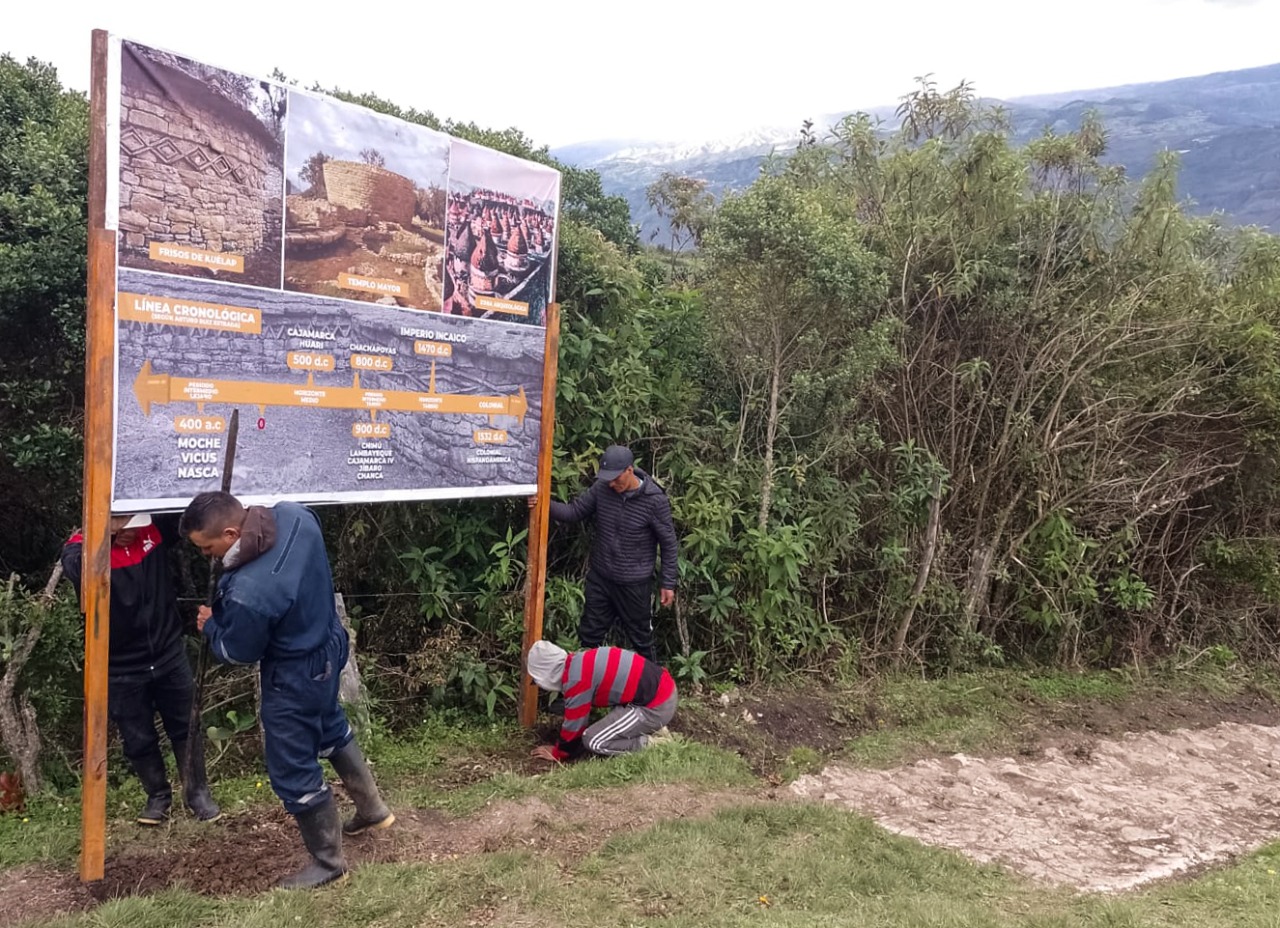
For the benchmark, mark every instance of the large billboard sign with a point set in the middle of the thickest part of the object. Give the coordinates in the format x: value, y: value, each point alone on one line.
x: 368, y: 292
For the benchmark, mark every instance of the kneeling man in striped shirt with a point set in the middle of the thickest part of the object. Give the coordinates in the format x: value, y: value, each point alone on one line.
x: 640, y: 694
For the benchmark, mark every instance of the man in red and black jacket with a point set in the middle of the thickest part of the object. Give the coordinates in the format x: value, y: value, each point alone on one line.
x: 641, y: 695
x: 148, y: 671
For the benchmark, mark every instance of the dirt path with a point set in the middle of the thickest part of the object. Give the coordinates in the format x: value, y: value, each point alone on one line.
x: 1108, y: 818
x: 1082, y: 804
x: 249, y: 853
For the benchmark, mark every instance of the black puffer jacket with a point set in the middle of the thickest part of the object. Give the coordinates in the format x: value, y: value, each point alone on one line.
x: 628, y: 528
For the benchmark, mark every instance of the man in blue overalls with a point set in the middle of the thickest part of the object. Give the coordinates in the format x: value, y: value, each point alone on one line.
x: 275, y: 605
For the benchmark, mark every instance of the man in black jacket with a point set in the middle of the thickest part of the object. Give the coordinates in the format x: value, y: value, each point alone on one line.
x: 147, y: 668
x: 632, y: 516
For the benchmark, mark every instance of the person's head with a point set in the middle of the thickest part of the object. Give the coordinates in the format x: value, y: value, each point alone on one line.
x: 124, y: 529
x: 546, y: 665
x: 617, y: 469
x: 212, y: 522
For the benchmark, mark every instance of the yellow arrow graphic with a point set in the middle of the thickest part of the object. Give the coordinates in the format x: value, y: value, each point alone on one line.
x: 150, y: 387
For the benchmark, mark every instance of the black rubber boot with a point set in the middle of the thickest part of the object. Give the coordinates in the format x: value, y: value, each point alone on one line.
x: 195, y: 785
x: 155, y: 780
x: 322, y: 834
x: 371, y: 812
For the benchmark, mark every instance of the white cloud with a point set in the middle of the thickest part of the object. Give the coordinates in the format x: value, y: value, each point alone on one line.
x: 341, y: 130
x: 570, y: 70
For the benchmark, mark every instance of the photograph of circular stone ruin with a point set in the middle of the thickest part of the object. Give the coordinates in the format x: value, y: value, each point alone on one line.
x: 364, y: 206
x: 201, y: 169
x: 500, y: 236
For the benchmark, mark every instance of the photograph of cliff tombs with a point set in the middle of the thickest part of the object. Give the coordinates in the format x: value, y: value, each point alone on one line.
x: 500, y: 236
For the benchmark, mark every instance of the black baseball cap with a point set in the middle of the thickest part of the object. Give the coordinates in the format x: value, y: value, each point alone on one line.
x: 616, y: 459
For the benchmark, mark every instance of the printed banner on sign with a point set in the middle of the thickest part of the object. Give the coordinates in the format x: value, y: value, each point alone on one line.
x: 368, y: 292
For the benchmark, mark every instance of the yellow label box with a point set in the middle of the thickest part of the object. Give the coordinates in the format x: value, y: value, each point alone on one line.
x: 496, y: 305
x: 199, y: 425
x: 196, y: 257
x: 433, y: 349
x: 371, y: 430
x: 163, y: 310
x: 373, y: 285
x: 309, y: 361
x: 372, y: 362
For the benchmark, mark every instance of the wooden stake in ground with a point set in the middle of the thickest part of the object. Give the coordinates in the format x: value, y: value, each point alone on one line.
x: 193, y: 762
x: 99, y: 403
x: 536, y: 578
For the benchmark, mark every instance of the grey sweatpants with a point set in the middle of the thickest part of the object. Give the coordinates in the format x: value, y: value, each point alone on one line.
x: 627, y: 728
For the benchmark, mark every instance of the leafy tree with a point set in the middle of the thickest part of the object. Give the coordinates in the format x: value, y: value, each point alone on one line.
x: 940, y: 398
x: 43, y: 191
x: 312, y: 174
x: 430, y: 205
x: 686, y: 206
x: 793, y: 301
x: 271, y: 105
x: 585, y: 202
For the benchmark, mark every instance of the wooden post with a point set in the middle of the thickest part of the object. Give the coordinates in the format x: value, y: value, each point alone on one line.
x: 99, y: 392
x: 536, y: 581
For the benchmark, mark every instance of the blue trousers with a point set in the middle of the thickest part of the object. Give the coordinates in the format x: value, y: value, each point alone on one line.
x: 303, y: 722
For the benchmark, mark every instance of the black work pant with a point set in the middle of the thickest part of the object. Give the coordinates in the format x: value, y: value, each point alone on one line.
x: 134, y: 699
x: 627, y: 604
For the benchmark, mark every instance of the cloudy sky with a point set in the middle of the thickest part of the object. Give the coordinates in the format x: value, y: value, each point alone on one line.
x: 574, y: 70
x: 343, y: 131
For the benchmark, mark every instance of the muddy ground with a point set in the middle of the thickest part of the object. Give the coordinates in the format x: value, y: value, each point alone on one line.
x: 1100, y: 796
x: 249, y: 852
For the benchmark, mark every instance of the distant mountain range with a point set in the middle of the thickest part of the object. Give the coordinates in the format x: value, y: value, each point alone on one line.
x: 1226, y: 127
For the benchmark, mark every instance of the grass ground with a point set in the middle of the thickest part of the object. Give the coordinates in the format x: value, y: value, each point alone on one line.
x: 780, y: 865
x: 743, y: 861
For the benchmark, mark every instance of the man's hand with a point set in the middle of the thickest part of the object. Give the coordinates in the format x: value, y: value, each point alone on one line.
x: 533, y: 502
x: 202, y: 616
x: 667, y: 597
x: 545, y: 752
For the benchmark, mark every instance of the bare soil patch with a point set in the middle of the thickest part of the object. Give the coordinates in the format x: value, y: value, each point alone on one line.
x: 37, y: 891
x: 764, y: 727
x: 1104, y: 817
x: 1076, y: 725
x: 318, y: 273
x: 248, y: 853
x: 1102, y: 795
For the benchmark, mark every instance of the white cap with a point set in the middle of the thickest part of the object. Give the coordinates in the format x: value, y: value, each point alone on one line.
x: 139, y: 520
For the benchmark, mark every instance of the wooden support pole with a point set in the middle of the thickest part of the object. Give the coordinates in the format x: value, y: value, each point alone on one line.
x: 99, y: 392
x: 536, y: 579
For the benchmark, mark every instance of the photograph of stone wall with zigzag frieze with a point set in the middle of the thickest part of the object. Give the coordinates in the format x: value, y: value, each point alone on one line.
x: 201, y: 169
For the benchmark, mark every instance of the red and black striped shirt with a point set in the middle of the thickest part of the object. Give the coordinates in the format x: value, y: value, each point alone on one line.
x: 606, y: 677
